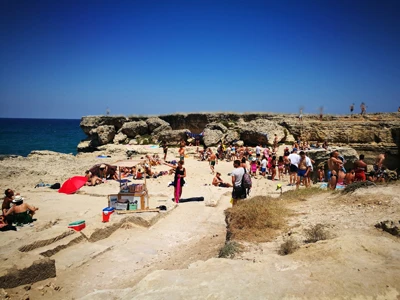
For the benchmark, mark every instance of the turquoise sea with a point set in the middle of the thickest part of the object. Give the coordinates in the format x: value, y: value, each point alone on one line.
x: 21, y: 136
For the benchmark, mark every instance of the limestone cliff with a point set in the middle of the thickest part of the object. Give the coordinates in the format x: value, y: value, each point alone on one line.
x: 369, y: 135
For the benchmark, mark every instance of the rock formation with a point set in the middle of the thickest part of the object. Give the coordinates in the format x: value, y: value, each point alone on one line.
x: 369, y: 135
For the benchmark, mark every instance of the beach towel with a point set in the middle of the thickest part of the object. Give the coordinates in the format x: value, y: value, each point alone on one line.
x: 178, y: 189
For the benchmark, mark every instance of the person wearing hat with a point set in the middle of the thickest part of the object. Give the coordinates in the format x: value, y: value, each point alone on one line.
x: 22, y: 212
x: 253, y: 167
x: 104, y: 171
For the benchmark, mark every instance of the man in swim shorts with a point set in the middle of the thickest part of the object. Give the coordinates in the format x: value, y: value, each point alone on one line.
x: 302, y: 170
x: 213, y: 160
x: 294, y: 160
x: 334, y: 165
x: 217, y: 181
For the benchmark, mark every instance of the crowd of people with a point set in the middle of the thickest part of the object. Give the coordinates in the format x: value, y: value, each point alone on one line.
x: 294, y: 166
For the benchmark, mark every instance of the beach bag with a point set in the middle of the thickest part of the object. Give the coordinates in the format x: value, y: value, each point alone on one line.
x: 55, y: 186
x: 246, y: 180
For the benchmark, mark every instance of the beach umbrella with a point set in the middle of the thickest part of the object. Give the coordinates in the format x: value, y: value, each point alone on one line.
x: 73, y: 184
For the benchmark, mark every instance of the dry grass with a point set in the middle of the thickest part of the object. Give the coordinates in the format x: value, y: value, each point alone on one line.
x: 316, y: 233
x: 258, y: 219
x: 288, y: 247
x: 357, y: 185
x: 229, y: 250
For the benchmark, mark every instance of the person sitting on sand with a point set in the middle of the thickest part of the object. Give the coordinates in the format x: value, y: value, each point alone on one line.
x: 104, y: 171
x: 359, y: 168
x: 22, y: 212
x: 217, y: 181
x: 350, y: 176
x: 7, y: 204
x: 92, y: 180
x: 321, y: 174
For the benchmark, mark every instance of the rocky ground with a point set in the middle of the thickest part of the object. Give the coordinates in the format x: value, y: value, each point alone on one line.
x: 174, y: 255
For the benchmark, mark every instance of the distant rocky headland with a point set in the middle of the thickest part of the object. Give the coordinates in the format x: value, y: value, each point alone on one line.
x: 369, y: 135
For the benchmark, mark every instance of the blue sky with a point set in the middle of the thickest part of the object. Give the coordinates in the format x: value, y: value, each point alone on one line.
x: 66, y: 59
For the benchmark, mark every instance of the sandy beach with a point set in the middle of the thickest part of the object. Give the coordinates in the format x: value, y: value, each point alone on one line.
x: 173, y: 254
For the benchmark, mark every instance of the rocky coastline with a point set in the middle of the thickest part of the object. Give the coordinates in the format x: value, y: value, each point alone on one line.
x: 370, y: 134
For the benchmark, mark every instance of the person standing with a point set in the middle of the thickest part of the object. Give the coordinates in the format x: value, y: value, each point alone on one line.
x: 165, y: 149
x: 264, y: 166
x: 294, y: 161
x: 238, y: 192
x: 275, y: 143
x: 181, y: 152
x: 334, y: 165
x: 303, y: 170
x: 179, y: 180
x: 352, y: 109
x: 363, y: 108
x: 212, y: 160
x: 258, y: 151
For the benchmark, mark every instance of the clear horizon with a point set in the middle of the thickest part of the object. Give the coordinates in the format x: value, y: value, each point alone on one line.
x: 65, y: 60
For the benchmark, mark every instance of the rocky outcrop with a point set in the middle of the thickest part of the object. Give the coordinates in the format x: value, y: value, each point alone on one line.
x: 103, y: 134
x: 132, y: 129
x: 173, y: 137
x: 262, y: 132
x: 121, y: 138
x: 368, y: 135
x: 212, y: 137
x: 231, y: 136
x: 92, y: 122
x: 154, y: 123
x: 217, y: 126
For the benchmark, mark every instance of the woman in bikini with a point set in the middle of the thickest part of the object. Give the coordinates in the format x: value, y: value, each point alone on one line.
x: 281, y: 166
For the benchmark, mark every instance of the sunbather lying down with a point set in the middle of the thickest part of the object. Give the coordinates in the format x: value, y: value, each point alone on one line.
x: 21, y: 212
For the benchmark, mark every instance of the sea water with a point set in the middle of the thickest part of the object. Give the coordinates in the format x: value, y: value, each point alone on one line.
x: 21, y: 136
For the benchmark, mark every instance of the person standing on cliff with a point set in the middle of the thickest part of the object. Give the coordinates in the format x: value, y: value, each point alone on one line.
x: 351, y: 109
x: 363, y: 108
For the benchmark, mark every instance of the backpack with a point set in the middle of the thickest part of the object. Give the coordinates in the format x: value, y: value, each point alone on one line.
x: 246, y: 180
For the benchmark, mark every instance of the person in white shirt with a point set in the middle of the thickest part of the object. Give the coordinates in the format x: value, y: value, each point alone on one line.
x: 238, y: 191
x: 310, y: 163
x: 294, y: 159
x: 263, y: 166
x: 258, y: 151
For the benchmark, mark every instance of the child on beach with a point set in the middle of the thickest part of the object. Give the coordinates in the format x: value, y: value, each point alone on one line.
x: 281, y: 166
x: 253, y: 167
x: 273, y: 167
